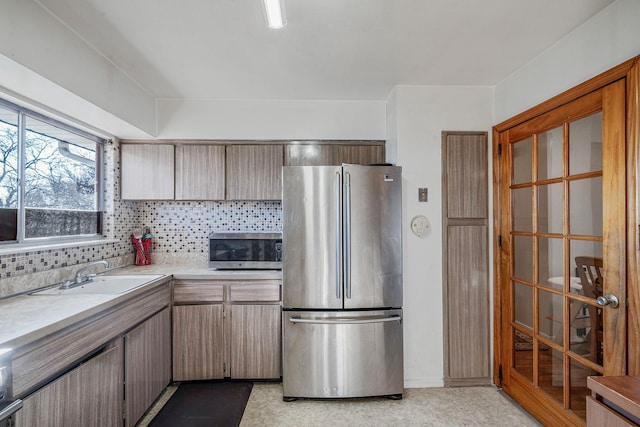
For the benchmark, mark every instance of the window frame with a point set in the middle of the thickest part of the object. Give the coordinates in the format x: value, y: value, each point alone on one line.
x: 21, y: 241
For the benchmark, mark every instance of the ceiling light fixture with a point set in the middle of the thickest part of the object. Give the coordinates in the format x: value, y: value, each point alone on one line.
x: 274, y: 13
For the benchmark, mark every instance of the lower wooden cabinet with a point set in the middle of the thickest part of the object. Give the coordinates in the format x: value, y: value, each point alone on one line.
x: 226, y: 329
x: 108, y: 368
x: 89, y: 395
x: 255, y: 341
x: 198, y: 342
x: 147, y: 358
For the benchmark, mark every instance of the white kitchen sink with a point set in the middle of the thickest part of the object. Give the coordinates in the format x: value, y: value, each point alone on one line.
x: 104, y: 285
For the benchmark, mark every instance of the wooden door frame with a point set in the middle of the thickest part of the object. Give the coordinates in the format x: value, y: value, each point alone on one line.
x: 629, y: 71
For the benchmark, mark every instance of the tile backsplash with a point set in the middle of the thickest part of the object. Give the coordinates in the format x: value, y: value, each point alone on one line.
x: 184, y: 227
x: 180, y: 230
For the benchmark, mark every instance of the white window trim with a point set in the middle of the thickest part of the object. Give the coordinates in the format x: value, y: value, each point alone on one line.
x: 21, y: 244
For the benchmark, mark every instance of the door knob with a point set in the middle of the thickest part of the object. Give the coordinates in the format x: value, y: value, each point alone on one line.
x: 608, y: 299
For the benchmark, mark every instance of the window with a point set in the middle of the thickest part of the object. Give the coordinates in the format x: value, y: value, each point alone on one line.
x: 50, y: 178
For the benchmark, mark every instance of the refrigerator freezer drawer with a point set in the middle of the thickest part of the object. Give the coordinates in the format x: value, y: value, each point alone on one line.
x: 342, y: 354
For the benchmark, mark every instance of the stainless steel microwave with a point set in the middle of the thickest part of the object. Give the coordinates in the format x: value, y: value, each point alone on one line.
x: 241, y: 250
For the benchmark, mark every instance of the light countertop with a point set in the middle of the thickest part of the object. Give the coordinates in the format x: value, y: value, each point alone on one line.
x: 26, y: 318
x: 200, y: 272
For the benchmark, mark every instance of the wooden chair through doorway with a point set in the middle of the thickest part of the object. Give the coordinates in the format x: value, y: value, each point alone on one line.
x: 591, y: 270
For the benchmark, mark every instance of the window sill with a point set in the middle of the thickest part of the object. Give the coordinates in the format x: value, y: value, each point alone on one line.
x: 30, y: 247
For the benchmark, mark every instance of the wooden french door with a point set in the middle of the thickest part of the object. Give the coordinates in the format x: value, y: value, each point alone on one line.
x: 561, y: 256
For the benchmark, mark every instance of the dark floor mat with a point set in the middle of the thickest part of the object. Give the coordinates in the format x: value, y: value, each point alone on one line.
x: 205, y: 404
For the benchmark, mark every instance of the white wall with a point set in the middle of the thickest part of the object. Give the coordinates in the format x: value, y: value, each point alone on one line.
x: 47, y: 64
x: 604, y: 41
x: 419, y: 114
x: 270, y: 119
x: 29, y: 89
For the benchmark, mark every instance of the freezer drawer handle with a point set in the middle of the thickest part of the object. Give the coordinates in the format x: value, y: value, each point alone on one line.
x: 346, y: 320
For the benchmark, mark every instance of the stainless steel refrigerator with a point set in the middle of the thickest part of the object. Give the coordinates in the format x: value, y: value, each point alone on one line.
x: 342, y: 281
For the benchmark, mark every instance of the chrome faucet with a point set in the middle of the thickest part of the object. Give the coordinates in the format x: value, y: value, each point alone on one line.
x: 80, y: 279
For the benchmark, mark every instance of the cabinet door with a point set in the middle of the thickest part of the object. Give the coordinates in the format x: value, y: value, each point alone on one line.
x: 601, y: 415
x: 333, y: 155
x: 148, y: 364
x: 360, y: 154
x: 88, y: 396
x: 254, y: 172
x: 147, y: 171
x: 255, y: 341
x: 198, y: 342
x: 466, y: 285
x: 200, y: 172
x: 311, y: 155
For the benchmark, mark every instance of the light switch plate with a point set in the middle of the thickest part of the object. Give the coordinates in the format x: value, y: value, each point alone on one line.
x: 423, y: 195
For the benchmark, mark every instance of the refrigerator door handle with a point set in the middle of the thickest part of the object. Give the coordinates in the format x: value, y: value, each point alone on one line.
x: 338, y: 191
x: 346, y: 320
x: 347, y: 235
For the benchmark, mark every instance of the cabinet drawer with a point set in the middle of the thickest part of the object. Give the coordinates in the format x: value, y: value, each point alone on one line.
x: 255, y: 292
x: 196, y: 293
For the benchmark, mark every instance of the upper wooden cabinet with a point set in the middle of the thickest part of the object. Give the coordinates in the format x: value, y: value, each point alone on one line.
x: 254, y: 172
x: 361, y: 154
x: 210, y: 170
x: 147, y: 171
x: 333, y: 154
x: 200, y: 172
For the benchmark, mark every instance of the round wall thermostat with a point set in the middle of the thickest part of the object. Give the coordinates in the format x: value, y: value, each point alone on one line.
x: 420, y: 225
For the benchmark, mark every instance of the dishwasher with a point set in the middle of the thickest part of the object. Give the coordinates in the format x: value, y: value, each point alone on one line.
x: 7, y: 406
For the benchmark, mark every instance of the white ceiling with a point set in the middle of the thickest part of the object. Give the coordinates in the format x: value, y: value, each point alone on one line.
x: 329, y: 49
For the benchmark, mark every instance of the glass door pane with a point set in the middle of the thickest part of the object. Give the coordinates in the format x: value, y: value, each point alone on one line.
x: 522, y: 158
x: 550, y: 145
x: 563, y: 213
x: 557, y: 255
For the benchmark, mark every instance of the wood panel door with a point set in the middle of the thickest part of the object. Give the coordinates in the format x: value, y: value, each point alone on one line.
x: 333, y: 154
x: 254, y: 172
x: 360, y: 154
x: 465, y: 179
x: 255, y: 341
x: 90, y: 395
x: 198, y: 342
x: 200, y: 172
x: 147, y: 171
x: 561, y: 229
x: 147, y: 358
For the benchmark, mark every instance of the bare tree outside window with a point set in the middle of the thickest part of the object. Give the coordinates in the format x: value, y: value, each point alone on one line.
x: 60, y: 186
x: 8, y: 178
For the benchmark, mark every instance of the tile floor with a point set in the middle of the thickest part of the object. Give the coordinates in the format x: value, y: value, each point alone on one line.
x: 460, y: 406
